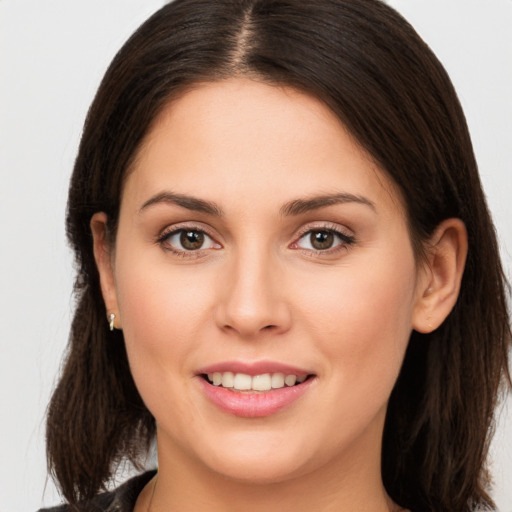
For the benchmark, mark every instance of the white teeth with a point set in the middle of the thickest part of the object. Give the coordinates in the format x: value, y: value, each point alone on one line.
x: 228, y: 379
x: 242, y: 382
x: 278, y: 380
x: 262, y: 382
x: 290, y: 380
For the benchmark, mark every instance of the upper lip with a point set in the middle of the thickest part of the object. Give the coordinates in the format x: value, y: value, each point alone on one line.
x: 253, y: 368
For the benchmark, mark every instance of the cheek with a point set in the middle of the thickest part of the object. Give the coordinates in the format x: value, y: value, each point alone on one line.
x: 153, y: 291
x: 162, y: 310
x: 162, y: 313
x: 362, y: 316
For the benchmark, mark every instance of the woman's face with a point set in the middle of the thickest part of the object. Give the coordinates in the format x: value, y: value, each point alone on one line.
x: 258, y: 242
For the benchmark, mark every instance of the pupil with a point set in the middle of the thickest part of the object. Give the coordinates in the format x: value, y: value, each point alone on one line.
x: 322, y: 240
x: 191, y: 240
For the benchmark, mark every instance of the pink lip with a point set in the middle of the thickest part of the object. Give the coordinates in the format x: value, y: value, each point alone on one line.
x: 253, y: 404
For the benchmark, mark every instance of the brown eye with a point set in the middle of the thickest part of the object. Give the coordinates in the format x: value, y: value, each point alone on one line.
x: 188, y: 240
x: 324, y: 240
x: 321, y: 240
x: 191, y: 240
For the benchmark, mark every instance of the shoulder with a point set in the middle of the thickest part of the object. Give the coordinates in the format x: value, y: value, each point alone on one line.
x: 121, y: 499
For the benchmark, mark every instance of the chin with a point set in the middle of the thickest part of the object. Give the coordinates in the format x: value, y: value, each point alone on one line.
x: 262, y: 467
x: 262, y: 473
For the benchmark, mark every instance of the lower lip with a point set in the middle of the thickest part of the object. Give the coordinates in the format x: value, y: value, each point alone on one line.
x: 254, y: 405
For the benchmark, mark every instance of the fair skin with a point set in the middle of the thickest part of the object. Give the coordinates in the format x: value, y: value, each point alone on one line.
x: 267, y: 277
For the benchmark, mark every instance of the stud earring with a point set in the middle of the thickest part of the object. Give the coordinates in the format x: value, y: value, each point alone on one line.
x: 112, y: 317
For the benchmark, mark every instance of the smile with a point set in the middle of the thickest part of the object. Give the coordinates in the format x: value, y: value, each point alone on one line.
x: 254, y: 390
x: 256, y: 383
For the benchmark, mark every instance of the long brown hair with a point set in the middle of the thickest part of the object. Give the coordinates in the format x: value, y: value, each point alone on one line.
x: 366, y: 63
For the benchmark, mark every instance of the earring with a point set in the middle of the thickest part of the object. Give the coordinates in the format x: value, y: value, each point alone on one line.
x: 112, y: 317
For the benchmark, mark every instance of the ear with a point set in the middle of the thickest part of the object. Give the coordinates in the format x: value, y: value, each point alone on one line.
x: 441, y: 275
x: 103, y: 254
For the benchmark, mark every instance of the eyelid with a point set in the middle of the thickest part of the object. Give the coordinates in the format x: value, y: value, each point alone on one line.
x: 326, y: 226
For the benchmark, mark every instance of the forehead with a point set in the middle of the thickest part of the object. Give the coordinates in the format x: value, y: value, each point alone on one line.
x: 239, y: 136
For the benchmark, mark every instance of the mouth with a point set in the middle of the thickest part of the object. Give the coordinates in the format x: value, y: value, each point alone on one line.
x: 254, y: 390
x: 264, y: 382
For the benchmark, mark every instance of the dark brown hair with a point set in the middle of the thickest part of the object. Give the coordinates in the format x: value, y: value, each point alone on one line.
x: 366, y: 63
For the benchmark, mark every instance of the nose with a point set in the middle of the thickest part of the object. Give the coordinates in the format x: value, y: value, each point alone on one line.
x: 252, y: 297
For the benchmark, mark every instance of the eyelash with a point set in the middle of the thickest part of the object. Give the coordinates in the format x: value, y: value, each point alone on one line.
x: 345, y: 240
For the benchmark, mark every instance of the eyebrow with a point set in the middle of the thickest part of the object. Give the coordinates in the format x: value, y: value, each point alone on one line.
x: 188, y: 202
x: 295, y: 207
x: 299, y: 206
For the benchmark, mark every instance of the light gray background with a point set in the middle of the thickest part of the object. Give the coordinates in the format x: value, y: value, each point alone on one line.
x: 52, y: 56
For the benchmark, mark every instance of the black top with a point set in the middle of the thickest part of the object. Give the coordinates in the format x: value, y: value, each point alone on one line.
x: 122, y: 499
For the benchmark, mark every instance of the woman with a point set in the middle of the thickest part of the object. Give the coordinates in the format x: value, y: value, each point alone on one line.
x: 277, y: 208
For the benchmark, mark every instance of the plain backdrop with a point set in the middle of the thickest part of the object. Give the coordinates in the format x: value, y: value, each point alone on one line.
x: 52, y: 56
